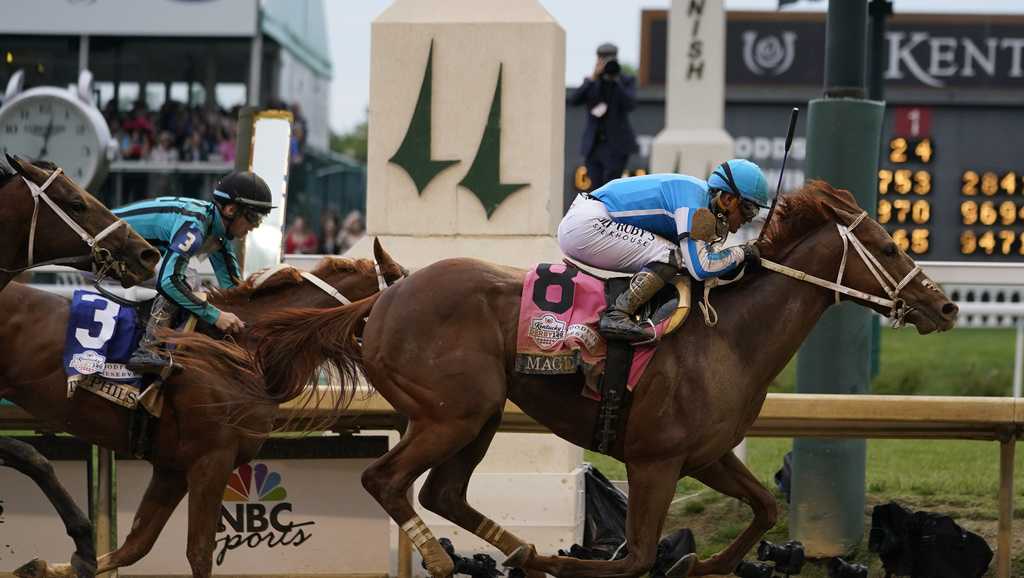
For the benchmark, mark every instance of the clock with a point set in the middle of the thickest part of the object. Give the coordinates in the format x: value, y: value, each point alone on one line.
x: 59, y: 125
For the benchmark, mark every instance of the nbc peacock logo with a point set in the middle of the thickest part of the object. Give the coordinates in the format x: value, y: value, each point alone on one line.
x: 253, y: 512
x: 259, y: 482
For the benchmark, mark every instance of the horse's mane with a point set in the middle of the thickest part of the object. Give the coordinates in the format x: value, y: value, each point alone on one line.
x: 801, y: 211
x: 288, y: 277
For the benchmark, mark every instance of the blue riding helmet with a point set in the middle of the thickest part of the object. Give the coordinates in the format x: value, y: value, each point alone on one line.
x: 741, y: 177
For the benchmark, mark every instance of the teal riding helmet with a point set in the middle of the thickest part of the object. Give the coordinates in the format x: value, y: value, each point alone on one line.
x: 741, y: 177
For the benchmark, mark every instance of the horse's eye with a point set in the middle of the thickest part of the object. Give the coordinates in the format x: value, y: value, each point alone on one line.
x: 889, y: 249
x: 78, y: 205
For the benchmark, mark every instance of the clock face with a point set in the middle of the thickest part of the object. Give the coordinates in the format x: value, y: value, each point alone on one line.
x: 58, y: 129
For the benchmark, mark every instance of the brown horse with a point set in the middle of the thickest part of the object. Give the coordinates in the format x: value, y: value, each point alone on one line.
x: 439, y: 346
x: 47, y: 218
x: 200, y: 437
x: 39, y: 223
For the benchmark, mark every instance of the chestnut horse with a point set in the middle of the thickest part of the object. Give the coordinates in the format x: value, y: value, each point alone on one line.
x: 47, y: 218
x: 200, y: 438
x: 440, y: 345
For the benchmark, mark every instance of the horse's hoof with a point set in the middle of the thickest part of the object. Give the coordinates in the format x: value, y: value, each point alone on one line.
x: 84, y: 568
x: 682, y: 567
x: 519, y: 557
x: 34, y: 569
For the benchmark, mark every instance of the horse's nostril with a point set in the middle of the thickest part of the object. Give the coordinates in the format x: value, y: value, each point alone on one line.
x: 149, y: 257
x: 950, y: 309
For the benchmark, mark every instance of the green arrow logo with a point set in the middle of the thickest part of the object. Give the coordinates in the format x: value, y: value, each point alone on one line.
x: 484, y: 178
x: 414, y: 153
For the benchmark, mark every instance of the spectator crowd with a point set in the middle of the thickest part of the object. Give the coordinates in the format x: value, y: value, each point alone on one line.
x: 178, y: 132
x: 334, y: 239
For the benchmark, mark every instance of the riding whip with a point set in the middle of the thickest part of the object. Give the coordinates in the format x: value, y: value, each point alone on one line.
x: 778, y: 189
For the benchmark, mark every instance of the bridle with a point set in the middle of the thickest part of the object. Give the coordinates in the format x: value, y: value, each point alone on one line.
x: 898, y: 308
x: 102, y: 259
x: 324, y: 286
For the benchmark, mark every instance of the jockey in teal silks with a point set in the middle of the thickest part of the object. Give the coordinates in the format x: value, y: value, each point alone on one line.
x: 654, y: 224
x: 182, y: 228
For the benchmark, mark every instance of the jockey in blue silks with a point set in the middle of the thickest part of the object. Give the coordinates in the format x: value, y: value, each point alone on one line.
x: 654, y: 224
x: 182, y: 228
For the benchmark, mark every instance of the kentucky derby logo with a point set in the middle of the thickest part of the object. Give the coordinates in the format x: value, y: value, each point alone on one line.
x: 253, y: 513
x: 547, y: 331
x: 768, y: 55
x: 87, y: 362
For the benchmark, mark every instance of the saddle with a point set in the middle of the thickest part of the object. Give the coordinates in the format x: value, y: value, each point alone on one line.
x: 560, y: 309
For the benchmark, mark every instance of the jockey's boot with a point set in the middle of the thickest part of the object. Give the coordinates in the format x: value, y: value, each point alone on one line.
x: 147, y: 358
x: 619, y: 321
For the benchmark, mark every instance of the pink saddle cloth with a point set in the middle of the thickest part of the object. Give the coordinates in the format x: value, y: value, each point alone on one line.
x: 558, y: 327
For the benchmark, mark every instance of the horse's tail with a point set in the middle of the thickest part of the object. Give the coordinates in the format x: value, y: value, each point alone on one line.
x: 291, y: 346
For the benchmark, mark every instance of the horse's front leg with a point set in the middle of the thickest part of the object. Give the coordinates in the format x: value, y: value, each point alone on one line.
x: 27, y: 460
x: 651, y: 488
x: 207, y: 478
x: 731, y: 477
x: 166, y: 489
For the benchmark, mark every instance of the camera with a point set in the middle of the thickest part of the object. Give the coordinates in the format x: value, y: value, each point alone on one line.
x: 839, y: 568
x: 611, y: 69
x: 753, y: 570
x: 788, y: 557
x: 479, y: 566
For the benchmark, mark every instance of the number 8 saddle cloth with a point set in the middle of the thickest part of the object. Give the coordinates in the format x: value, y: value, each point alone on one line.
x: 558, y: 318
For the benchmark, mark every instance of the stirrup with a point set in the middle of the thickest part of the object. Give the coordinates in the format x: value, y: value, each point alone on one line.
x: 654, y: 333
x: 633, y: 337
x: 149, y: 363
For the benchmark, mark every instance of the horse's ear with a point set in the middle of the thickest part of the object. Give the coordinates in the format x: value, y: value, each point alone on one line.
x: 392, y: 270
x: 840, y: 202
x: 15, y: 163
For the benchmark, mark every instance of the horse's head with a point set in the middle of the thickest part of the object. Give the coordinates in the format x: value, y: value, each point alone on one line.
x: 870, y: 261
x: 69, y: 222
x: 334, y: 281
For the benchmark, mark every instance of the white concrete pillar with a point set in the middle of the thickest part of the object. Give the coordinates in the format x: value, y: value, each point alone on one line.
x: 455, y: 167
x: 467, y: 122
x: 694, y: 139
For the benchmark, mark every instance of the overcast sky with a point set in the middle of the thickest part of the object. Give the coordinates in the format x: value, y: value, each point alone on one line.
x: 587, y: 23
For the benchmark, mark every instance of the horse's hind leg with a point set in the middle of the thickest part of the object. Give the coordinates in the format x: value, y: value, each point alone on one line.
x: 424, y: 445
x: 165, y: 491
x: 730, y: 477
x: 651, y: 487
x: 444, y: 492
x: 27, y: 460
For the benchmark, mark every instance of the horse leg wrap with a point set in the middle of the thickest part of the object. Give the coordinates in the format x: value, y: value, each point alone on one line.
x: 437, y: 561
x: 498, y: 537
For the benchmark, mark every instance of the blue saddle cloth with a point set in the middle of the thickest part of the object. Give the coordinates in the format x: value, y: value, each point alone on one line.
x: 101, y: 336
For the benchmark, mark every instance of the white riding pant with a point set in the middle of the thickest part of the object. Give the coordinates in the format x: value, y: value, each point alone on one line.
x: 588, y: 234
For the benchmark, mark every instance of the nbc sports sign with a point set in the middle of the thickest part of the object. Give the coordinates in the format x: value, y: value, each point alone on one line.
x: 279, y: 517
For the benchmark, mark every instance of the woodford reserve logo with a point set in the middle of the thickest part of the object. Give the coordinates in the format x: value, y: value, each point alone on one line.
x: 253, y: 513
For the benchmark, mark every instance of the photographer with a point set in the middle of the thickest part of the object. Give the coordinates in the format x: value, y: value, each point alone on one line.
x: 608, y: 97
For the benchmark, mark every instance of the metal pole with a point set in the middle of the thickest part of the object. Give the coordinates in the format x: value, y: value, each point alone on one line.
x: 1018, y: 359
x: 255, y: 67
x: 879, y: 11
x: 1005, y: 535
x: 843, y: 139
x: 106, y: 508
x: 243, y: 157
x: 83, y: 54
x: 845, y: 40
